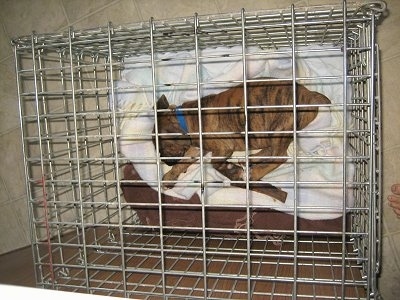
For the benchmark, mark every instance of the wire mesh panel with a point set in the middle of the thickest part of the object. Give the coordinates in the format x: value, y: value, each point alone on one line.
x: 108, y: 214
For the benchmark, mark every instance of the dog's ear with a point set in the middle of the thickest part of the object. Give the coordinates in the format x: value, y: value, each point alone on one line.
x: 162, y: 102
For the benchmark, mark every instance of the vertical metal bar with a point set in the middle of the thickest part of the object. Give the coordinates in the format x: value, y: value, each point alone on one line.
x: 43, y: 179
x: 95, y: 86
x: 68, y: 149
x: 85, y: 143
x: 295, y: 166
x: 344, y: 149
x: 372, y: 168
x: 51, y: 169
x: 160, y: 207
x: 116, y: 156
x: 379, y: 161
x: 29, y: 204
x: 109, y: 123
x: 63, y: 80
x: 247, y: 164
x: 74, y: 105
x: 202, y: 177
x: 95, y: 60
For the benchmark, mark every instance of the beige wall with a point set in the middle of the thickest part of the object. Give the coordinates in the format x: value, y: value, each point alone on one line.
x: 20, y: 17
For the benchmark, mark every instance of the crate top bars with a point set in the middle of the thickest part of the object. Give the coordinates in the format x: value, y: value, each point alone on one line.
x: 313, y: 25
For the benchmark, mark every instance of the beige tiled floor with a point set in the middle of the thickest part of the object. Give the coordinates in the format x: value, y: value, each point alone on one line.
x: 20, y: 17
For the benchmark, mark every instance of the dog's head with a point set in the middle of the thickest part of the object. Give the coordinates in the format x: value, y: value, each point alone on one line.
x: 173, y: 140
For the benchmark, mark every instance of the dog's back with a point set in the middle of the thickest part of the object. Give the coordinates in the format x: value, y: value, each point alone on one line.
x: 270, y: 115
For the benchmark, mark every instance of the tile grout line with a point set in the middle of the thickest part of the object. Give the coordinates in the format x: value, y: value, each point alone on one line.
x: 11, y: 200
x: 64, y: 11
x: 390, y: 148
x: 3, y: 60
x: 88, y: 15
x: 390, y: 234
x: 217, y: 6
x: 139, y: 12
x: 8, y: 131
x: 9, y: 43
x: 9, y: 197
x: 394, y: 56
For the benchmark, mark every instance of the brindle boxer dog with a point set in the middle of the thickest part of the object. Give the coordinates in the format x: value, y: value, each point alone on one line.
x: 270, y: 126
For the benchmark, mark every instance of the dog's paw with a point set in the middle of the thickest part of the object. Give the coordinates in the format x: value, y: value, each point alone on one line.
x: 169, y: 178
x: 234, y: 172
x: 241, y: 174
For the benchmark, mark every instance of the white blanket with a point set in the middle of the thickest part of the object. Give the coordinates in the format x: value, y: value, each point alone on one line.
x: 318, y: 193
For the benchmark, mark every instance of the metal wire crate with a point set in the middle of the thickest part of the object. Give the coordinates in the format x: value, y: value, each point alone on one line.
x: 87, y: 238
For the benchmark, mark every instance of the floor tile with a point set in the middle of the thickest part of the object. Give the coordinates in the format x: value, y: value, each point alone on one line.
x: 237, y: 5
x: 12, y: 165
x: 14, y: 231
x: 174, y: 8
x: 76, y: 9
x: 121, y: 12
x: 9, y: 113
x: 388, y: 31
x: 4, y: 199
x: 328, y: 2
x: 24, y: 16
x: 390, y: 102
x: 5, y: 44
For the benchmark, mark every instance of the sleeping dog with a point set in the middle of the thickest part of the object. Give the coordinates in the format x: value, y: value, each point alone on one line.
x: 270, y: 118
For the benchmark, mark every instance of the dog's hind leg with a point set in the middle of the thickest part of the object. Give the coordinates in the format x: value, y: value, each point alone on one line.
x: 234, y: 172
x: 262, y: 163
x: 265, y: 161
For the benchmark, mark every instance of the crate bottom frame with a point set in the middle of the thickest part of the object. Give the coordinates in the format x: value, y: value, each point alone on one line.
x: 181, y: 267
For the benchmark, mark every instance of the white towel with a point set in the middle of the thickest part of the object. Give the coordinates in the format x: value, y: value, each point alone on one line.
x: 313, y: 199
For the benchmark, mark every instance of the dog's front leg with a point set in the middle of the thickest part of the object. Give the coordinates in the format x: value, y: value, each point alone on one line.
x: 190, y: 157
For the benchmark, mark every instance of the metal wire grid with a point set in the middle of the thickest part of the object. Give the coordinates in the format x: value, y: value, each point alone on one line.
x: 320, y: 265
x: 265, y: 29
x: 85, y: 238
x: 364, y: 143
